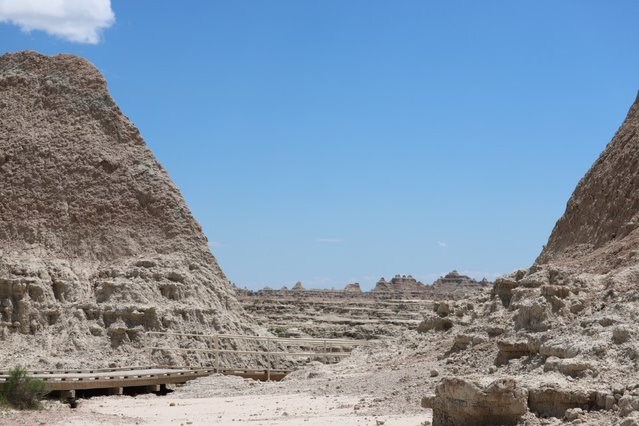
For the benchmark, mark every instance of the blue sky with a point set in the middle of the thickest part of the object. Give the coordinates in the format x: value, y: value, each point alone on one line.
x: 340, y: 141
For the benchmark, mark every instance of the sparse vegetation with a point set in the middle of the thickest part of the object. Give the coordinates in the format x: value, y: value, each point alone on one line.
x: 278, y: 331
x: 21, y: 391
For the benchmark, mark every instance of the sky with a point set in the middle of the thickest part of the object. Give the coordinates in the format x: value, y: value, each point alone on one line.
x: 345, y: 140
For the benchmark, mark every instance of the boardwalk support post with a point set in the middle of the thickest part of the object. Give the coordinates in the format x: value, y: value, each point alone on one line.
x: 216, y: 341
x: 268, y: 360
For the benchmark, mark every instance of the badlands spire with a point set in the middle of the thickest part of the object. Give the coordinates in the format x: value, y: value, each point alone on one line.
x: 97, y: 245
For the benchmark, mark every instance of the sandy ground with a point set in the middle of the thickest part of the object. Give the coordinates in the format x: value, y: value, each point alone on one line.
x: 280, y: 410
x: 371, y: 387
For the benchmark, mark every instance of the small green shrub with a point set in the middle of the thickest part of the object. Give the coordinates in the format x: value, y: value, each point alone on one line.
x: 278, y: 331
x: 22, y: 391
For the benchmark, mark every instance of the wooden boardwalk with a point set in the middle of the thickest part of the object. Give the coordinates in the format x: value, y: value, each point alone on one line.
x: 155, y: 379
x: 115, y: 380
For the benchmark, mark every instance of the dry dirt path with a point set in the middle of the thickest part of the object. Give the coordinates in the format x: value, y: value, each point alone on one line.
x: 372, y: 387
x: 266, y: 410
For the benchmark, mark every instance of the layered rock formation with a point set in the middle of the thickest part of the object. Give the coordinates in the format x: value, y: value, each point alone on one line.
x: 455, y: 283
x: 333, y: 315
x: 97, y: 245
x: 353, y: 288
x: 386, y: 311
x: 564, y: 329
x: 460, y: 402
x: 452, y: 286
x: 399, y: 284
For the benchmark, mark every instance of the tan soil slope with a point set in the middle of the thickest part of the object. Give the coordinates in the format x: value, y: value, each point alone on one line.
x: 97, y: 244
x: 600, y: 228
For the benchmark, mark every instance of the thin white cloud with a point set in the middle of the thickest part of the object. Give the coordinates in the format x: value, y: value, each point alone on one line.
x: 329, y: 240
x: 79, y: 21
x: 442, y: 244
x: 215, y: 244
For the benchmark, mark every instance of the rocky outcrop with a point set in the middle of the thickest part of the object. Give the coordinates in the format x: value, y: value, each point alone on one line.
x: 353, y: 313
x: 97, y: 245
x: 399, y: 284
x: 515, y: 348
x: 459, y: 402
x: 353, y: 288
x: 458, y: 286
x: 454, y: 280
x: 564, y: 328
x: 551, y: 400
x: 452, y: 287
x: 333, y: 315
x: 599, y: 230
x: 434, y: 323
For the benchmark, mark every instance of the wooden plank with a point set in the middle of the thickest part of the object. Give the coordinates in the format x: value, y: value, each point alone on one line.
x: 71, y: 381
